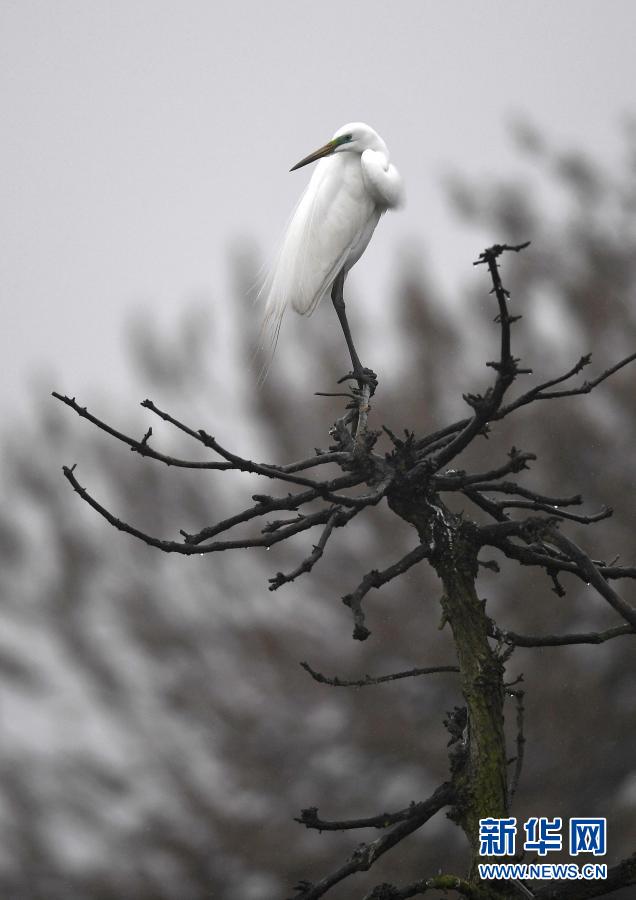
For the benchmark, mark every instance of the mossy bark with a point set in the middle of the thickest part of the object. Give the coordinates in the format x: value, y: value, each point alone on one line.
x: 478, y: 758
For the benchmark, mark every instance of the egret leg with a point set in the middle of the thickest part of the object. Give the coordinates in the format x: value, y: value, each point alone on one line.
x: 363, y: 376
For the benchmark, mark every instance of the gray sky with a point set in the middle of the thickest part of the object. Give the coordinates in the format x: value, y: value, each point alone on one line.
x: 141, y: 140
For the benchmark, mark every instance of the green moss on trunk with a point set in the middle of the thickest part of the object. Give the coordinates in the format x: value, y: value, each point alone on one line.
x: 479, y: 763
x: 481, y: 779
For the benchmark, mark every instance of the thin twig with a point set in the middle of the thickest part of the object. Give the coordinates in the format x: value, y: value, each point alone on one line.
x: 520, y: 741
x: 264, y: 506
x: 238, y: 462
x: 367, y: 680
x: 336, y: 519
x: 510, y: 487
x: 142, y: 447
x: 593, y: 575
x: 540, y: 392
x: 320, y: 459
x: 552, y: 560
x: 506, y: 368
x: 537, y: 393
x: 604, y: 513
x: 186, y: 549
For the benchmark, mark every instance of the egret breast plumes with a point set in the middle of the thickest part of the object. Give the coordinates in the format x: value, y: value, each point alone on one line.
x: 352, y: 185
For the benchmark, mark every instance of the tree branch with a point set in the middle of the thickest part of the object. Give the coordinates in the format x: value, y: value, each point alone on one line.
x: 237, y: 462
x: 375, y: 579
x: 560, y: 640
x: 536, y: 506
x: 528, y: 530
x: 520, y: 741
x: 592, y: 575
x: 378, y: 679
x: 554, y: 562
x: 309, y: 818
x: 186, y: 549
x: 142, y: 447
x: 426, y: 444
x: 364, y: 856
x: 506, y: 368
x: 337, y: 519
x: 510, y: 487
x: 455, y: 481
x: 265, y: 505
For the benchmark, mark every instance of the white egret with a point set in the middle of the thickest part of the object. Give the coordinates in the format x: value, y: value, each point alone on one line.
x: 351, y: 187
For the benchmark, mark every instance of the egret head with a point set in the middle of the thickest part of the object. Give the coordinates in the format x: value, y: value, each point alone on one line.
x: 355, y: 137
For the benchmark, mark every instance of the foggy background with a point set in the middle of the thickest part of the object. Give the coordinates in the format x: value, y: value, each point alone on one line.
x: 143, y: 141
x: 158, y: 735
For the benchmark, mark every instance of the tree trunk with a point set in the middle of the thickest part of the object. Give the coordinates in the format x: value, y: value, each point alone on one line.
x: 478, y: 760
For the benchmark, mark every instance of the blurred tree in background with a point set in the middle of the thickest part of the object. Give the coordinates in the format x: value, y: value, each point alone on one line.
x: 159, y: 735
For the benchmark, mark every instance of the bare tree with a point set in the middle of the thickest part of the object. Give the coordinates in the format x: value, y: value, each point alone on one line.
x: 418, y: 486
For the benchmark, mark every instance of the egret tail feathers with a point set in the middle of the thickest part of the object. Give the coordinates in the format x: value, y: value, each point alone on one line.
x: 269, y: 331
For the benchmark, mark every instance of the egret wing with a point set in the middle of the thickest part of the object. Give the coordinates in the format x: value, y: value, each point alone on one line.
x: 336, y: 220
x: 331, y: 218
x: 382, y: 179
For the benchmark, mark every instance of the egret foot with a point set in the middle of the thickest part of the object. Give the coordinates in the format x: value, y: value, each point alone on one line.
x: 362, y: 376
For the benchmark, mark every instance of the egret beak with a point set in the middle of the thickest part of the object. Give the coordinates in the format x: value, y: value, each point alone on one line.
x: 328, y: 148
